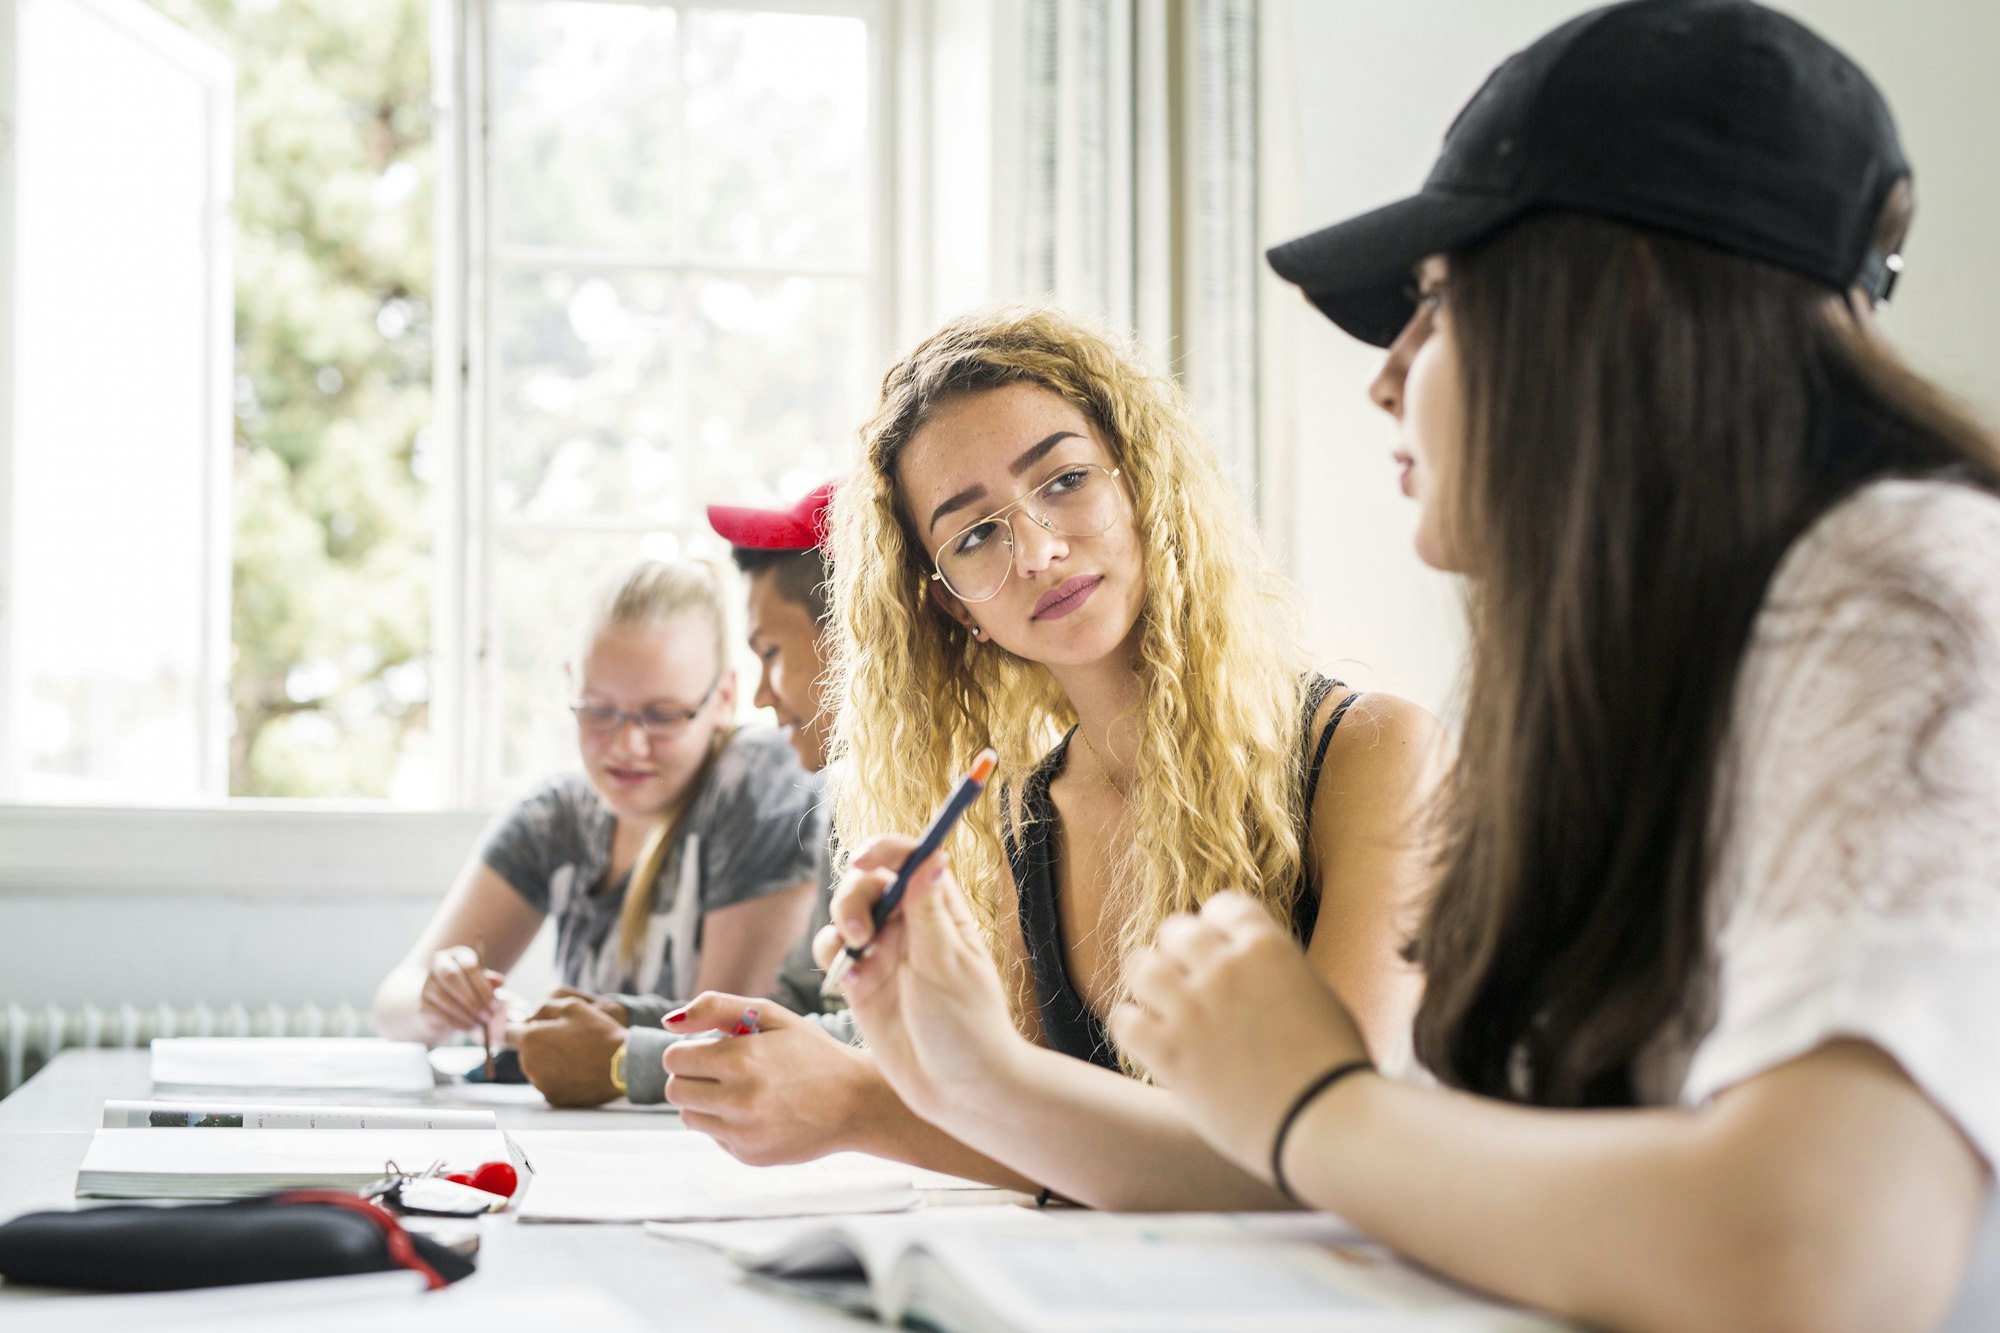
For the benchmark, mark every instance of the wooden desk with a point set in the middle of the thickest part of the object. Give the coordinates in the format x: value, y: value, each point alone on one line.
x: 46, y: 1126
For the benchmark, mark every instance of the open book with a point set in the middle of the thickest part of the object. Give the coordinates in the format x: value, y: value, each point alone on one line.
x: 1009, y: 1270
x: 155, y: 1150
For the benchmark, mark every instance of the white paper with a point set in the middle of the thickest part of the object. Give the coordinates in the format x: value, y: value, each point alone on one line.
x: 676, y: 1175
x: 197, y: 1114
x: 348, y: 1063
x: 378, y: 1302
x: 214, y: 1307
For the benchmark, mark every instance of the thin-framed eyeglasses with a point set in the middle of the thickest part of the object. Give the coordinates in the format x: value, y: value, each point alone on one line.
x: 658, y: 723
x: 1077, y: 500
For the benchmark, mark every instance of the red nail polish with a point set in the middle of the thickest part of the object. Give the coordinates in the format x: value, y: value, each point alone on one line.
x: 678, y: 1016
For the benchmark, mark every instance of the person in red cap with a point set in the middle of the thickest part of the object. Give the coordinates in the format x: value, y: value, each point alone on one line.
x: 781, y: 554
x: 1713, y: 956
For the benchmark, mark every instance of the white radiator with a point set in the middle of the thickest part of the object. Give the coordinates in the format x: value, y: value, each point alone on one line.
x: 31, y: 1036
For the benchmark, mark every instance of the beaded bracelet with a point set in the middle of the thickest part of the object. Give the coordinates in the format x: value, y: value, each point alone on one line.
x: 1299, y: 1104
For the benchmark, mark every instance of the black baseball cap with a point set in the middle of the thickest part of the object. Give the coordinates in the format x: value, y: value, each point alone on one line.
x: 1719, y: 120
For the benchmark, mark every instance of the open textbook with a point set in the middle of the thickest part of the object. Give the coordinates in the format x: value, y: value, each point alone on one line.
x: 332, y: 1064
x: 1009, y: 1270
x: 154, y: 1162
x: 592, y: 1176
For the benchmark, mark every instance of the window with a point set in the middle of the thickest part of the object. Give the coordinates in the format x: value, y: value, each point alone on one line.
x: 353, y: 345
x: 679, y: 306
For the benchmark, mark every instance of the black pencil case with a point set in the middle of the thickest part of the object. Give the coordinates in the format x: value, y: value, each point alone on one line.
x: 274, y: 1238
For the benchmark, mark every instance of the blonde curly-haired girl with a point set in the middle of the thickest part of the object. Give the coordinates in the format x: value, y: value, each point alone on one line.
x: 1038, y: 552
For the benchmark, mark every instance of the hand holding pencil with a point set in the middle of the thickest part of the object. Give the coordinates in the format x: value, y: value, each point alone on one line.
x: 460, y: 993
x: 926, y: 993
x: 963, y: 795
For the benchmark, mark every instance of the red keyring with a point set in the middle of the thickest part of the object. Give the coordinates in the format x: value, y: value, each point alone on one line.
x: 494, y: 1177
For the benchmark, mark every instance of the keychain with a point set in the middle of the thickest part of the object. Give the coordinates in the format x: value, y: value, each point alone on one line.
x: 488, y: 1188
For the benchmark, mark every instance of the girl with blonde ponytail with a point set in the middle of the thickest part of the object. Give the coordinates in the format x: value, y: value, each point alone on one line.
x: 1039, y: 553
x: 680, y: 858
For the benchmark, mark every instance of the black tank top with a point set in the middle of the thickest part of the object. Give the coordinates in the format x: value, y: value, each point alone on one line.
x: 1068, y: 1025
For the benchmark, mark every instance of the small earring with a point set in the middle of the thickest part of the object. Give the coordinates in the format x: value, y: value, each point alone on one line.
x: 978, y: 633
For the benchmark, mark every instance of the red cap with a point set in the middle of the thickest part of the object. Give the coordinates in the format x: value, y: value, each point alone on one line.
x: 800, y: 528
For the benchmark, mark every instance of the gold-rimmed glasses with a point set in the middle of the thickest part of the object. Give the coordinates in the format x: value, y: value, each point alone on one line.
x: 1077, y: 500
x: 660, y: 724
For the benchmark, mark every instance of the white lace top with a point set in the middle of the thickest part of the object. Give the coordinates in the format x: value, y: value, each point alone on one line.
x: 1859, y: 890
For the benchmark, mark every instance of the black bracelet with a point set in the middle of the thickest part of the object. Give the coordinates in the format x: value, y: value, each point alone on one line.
x: 1299, y: 1104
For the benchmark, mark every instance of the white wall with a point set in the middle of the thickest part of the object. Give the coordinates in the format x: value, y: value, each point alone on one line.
x: 1357, y: 97
x: 265, y: 903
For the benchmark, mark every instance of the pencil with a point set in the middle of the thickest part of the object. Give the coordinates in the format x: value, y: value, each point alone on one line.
x: 485, y: 1029
x: 961, y: 796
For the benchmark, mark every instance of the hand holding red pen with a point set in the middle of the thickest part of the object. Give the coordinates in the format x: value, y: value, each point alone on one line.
x: 927, y: 996
x: 791, y: 1095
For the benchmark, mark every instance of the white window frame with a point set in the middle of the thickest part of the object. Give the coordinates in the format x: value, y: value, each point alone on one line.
x: 239, y: 847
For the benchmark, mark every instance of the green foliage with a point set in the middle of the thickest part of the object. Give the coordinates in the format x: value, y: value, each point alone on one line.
x: 334, y: 186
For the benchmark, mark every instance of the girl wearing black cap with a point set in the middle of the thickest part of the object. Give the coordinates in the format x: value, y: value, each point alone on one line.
x: 1715, y: 941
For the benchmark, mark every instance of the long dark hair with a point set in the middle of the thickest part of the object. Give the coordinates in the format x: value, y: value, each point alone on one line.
x: 1651, y: 425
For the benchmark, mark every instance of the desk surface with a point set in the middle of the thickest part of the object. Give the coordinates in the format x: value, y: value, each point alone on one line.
x: 46, y: 1126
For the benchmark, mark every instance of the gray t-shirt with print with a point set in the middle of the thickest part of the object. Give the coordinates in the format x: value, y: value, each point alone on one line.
x: 756, y: 826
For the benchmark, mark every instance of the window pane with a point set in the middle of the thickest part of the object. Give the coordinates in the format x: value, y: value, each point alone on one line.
x: 331, y: 589
x: 780, y: 387
x: 777, y: 137
x: 714, y: 343
x: 116, y: 677
x: 587, y: 415
x: 583, y: 117
x: 333, y: 575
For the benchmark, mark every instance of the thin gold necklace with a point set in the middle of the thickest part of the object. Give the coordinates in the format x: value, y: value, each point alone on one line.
x: 1103, y: 768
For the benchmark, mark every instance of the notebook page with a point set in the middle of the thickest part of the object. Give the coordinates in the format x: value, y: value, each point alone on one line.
x: 586, y: 1176
x: 1086, y: 1274
x: 811, y: 1245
